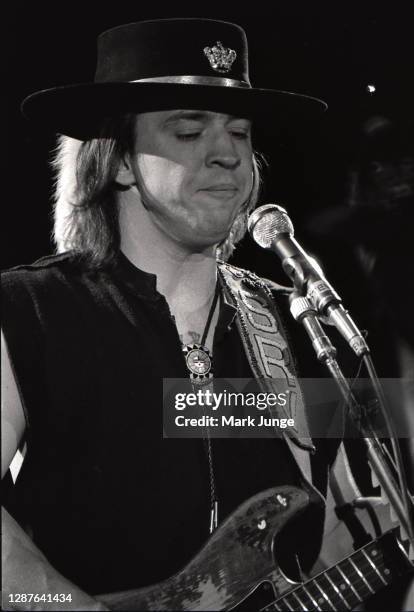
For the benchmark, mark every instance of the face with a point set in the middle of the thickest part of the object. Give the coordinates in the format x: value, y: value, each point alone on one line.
x: 194, y: 172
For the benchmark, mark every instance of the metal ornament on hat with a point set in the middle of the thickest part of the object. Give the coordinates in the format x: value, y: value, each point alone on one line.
x: 220, y: 58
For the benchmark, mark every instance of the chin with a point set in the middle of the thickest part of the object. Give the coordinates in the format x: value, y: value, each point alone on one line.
x: 200, y: 241
x: 214, y: 236
x: 206, y: 231
x: 218, y: 223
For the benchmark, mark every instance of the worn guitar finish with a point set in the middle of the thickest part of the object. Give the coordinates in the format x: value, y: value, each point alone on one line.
x: 238, y: 557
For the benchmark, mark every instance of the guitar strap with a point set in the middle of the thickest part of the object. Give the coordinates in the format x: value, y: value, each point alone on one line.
x: 272, y: 364
x: 269, y: 354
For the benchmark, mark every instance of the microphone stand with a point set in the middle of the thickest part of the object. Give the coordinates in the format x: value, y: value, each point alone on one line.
x: 401, y: 501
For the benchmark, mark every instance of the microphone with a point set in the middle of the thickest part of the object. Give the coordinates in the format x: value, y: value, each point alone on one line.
x: 271, y: 228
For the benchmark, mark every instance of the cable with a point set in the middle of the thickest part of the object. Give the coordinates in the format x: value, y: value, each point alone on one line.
x: 407, y: 502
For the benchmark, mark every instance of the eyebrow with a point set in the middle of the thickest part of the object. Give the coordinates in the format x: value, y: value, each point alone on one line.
x: 186, y: 114
x: 191, y: 115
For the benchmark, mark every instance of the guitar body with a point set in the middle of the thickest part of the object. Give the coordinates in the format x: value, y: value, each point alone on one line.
x: 236, y: 567
x: 235, y: 559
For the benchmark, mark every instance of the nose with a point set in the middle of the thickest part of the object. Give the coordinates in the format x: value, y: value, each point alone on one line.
x: 222, y: 152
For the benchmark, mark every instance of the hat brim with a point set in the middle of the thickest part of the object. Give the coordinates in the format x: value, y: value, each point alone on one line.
x: 78, y: 110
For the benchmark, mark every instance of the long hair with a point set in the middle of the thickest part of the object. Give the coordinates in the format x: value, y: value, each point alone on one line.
x: 85, y: 205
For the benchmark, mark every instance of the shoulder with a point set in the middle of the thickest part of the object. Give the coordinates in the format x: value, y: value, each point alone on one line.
x: 43, y: 273
x: 41, y: 267
x: 253, y: 281
x: 48, y: 281
x: 266, y: 292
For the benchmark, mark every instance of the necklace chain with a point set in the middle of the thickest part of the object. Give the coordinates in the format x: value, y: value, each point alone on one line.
x: 210, y: 314
x: 207, y: 439
x: 213, y: 492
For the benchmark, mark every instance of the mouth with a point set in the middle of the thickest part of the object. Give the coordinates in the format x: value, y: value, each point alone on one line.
x: 221, y: 190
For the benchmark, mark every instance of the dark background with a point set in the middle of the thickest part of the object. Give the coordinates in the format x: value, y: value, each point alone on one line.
x: 332, y: 51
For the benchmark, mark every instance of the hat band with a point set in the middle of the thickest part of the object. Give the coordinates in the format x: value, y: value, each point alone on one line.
x: 195, y: 80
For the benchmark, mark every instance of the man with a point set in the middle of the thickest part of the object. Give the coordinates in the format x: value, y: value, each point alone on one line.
x: 156, y: 177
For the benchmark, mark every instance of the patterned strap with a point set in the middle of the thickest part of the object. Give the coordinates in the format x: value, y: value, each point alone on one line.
x: 266, y: 348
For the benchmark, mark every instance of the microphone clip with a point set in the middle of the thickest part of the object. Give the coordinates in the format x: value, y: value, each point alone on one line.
x: 304, y: 312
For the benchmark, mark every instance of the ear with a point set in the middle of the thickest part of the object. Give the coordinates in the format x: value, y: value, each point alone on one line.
x: 125, y: 175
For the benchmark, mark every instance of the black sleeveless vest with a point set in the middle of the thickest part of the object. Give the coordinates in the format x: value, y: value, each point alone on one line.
x: 111, y: 503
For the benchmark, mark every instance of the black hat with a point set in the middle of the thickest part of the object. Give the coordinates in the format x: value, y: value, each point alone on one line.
x: 160, y: 65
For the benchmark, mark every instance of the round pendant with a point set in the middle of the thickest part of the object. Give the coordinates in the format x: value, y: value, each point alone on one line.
x: 199, y: 363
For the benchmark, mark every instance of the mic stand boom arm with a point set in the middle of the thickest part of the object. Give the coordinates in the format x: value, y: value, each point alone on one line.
x: 304, y: 312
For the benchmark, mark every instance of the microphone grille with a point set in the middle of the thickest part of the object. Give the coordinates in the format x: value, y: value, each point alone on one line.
x: 268, y: 221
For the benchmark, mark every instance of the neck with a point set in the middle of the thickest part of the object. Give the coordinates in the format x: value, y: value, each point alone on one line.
x: 187, y: 279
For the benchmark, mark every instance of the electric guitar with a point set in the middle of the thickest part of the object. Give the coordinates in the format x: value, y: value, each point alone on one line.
x: 236, y: 569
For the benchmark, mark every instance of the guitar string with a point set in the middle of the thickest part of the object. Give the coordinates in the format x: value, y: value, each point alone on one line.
x: 367, y: 569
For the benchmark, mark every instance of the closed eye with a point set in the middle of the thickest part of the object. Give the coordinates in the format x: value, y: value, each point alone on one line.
x: 240, y: 134
x: 188, y: 135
